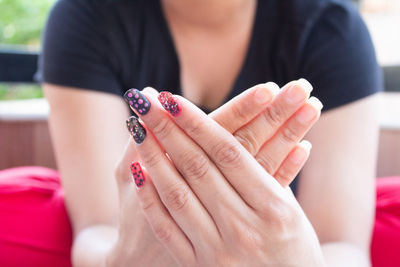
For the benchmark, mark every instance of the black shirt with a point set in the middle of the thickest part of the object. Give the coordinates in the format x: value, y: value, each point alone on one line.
x: 111, y: 46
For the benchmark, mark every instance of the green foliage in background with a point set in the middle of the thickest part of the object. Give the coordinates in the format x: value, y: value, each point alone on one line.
x: 20, y: 91
x: 22, y: 23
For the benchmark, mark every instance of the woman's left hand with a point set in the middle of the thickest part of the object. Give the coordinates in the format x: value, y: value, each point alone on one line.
x: 209, y: 201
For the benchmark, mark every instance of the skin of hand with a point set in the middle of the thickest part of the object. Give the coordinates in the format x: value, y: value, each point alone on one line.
x: 95, y: 232
x: 225, y: 209
x: 133, y: 228
x: 252, y: 103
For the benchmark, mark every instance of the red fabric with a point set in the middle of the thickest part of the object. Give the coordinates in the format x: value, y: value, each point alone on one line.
x: 34, y: 226
x: 35, y: 229
x: 385, y: 246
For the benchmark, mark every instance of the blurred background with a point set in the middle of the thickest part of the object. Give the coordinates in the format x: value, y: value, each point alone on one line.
x: 24, y: 135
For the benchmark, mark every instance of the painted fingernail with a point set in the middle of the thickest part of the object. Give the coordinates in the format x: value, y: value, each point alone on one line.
x: 170, y: 103
x: 137, y: 131
x: 137, y: 174
x: 137, y: 100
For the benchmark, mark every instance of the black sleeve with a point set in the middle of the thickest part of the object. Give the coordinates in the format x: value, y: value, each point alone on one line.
x: 338, y: 57
x: 75, y: 49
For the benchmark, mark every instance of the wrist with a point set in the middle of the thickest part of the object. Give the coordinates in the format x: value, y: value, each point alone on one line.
x: 141, y: 254
x: 114, y: 257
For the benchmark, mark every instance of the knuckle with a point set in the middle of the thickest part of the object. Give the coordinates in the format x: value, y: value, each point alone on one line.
x: 280, y: 215
x: 226, y: 154
x: 162, y: 232
x: 289, y: 135
x: 118, y: 171
x: 249, y: 239
x: 274, y: 116
x: 121, y: 172
x: 147, y: 203
x: 195, y: 166
x: 239, y: 112
x: 195, y: 127
x: 284, y: 176
x: 151, y: 159
x: 248, y: 140
x: 163, y: 128
x: 177, y: 198
x: 267, y: 163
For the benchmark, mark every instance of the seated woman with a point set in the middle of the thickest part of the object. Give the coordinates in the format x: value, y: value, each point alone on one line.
x: 209, y: 53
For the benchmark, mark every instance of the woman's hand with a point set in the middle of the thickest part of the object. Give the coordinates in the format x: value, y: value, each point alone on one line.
x: 136, y: 242
x: 259, y: 105
x: 211, y: 202
x: 259, y: 119
x: 262, y: 120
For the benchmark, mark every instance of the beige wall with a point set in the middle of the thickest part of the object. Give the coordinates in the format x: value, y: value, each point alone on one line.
x: 25, y: 143
x: 389, y: 153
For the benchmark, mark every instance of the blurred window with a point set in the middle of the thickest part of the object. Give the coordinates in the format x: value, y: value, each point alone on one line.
x: 21, y: 25
x: 383, y: 20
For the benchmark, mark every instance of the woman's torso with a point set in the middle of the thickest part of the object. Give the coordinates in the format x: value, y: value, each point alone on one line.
x: 111, y: 46
x: 148, y: 49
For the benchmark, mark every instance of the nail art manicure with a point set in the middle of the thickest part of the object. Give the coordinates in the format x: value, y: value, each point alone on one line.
x: 137, y: 100
x: 137, y: 174
x: 137, y: 131
x: 170, y: 103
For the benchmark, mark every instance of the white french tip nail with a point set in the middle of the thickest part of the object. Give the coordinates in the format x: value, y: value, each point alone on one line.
x: 273, y: 87
x: 150, y: 90
x: 315, y: 102
x: 306, y: 144
x: 305, y: 84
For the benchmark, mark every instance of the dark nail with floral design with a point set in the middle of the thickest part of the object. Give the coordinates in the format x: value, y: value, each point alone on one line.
x: 137, y: 174
x: 170, y: 103
x: 137, y: 131
x: 137, y: 100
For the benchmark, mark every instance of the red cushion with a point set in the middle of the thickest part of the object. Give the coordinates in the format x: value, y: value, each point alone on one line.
x: 35, y: 229
x: 34, y: 226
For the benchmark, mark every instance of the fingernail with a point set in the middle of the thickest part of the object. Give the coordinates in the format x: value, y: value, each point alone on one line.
x: 137, y: 174
x: 315, y: 102
x: 306, y: 114
x: 273, y: 87
x: 306, y: 144
x: 298, y: 156
x: 295, y: 94
x: 137, y: 100
x: 170, y: 103
x: 137, y: 131
x: 306, y: 85
x: 262, y: 95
